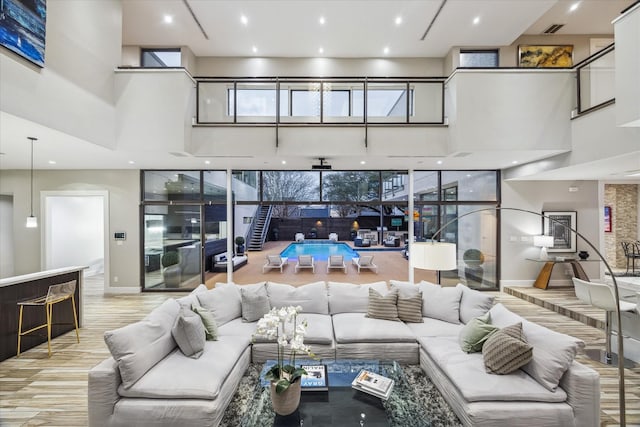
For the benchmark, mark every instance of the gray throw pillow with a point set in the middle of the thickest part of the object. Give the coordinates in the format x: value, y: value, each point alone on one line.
x: 506, y: 350
x: 474, y: 334
x: 473, y: 303
x: 209, y: 322
x: 255, y: 303
x: 189, y: 333
x: 383, y: 307
x: 410, y: 308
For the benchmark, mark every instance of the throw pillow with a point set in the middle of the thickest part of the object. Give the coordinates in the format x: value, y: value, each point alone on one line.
x: 189, y: 333
x: 223, y: 301
x: 383, y: 307
x: 209, y: 322
x: 410, y: 308
x: 506, y: 350
x: 312, y: 297
x: 352, y: 298
x: 255, y: 304
x: 474, y: 334
x: 441, y: 302
x: 473, y: 303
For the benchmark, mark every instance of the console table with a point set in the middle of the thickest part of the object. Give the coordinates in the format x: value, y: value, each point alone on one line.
x: 542, y: 281
x: 19, y: 288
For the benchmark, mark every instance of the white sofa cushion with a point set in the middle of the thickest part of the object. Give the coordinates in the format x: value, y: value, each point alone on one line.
x: 255, y: 303
x: 468, y: 374
x: 440, y: 302
x: 352, y: 298
x: 238, y: 327
x: 319, y: 330
x: 223, y: 301
x: 434, y: 328
x: 139, y: 346
x: 189, y: 333
x: 356, y: 327
x: 192, y: 378
x: 188, y: 300
x: 553, y: 352
x: 311, y: 297
x: 473, y: 303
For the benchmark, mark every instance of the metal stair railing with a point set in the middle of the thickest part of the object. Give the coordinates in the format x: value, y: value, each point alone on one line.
x: 259, y: 228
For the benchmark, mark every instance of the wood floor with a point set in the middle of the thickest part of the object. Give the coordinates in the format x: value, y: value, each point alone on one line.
x: 36, y: 390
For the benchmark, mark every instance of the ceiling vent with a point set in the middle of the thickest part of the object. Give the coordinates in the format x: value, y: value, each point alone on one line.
x: 553, y: 28
x: 322, y: 166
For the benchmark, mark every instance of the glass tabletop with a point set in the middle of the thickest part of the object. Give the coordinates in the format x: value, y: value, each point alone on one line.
x: 342, y: 405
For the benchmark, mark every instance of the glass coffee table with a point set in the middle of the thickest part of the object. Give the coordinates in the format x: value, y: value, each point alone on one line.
x: 342, y: 405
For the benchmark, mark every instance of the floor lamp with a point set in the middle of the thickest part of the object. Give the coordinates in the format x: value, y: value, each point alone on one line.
x: 435, y: 255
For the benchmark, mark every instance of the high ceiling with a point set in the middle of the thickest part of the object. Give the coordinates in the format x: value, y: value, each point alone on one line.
x: 293, y: 28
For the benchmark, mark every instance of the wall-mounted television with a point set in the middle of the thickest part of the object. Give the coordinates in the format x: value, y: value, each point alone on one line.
x: 22, y: 28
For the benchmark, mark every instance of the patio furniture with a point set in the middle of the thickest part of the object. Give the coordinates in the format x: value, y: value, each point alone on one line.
x: 360, y: 242
x: 299, y: 237
x: 365, y: 261
x: 275, y: 261
x: 336, y: 261
x: 391, y: 241
x: 333, y: 237
x: 305, y: 261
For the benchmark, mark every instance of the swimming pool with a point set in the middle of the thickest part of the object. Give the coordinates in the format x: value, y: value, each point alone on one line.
x: 319, y: 250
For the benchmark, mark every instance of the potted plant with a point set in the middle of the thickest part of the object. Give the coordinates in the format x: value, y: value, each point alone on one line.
x: 240, y: 245
x: 171, y: 270
x: 353, y: 234
x: 280, y: 324
x: 473, y: 258
x: 313, y: 233
x: 276, y: 233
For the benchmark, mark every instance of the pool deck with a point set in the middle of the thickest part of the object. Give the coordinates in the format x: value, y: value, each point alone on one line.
x: 391, y: 265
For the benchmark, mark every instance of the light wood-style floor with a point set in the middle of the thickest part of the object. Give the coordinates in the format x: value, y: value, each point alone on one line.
x: 36, y: 390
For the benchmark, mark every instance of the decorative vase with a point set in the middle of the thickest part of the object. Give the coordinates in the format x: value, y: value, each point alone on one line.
x: 287, y: 402
x: 583, y: 254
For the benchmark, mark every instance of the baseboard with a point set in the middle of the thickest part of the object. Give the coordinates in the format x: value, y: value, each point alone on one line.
x: 121, y: 290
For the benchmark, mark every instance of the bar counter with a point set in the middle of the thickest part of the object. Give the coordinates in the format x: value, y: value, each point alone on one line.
x: 27, y: 286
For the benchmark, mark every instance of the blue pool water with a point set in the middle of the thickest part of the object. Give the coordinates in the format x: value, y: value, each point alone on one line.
x: 319, y: 250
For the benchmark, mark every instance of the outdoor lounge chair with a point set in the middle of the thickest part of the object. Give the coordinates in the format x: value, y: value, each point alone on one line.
x: 275, y: 261
x: 306, y: 261
x: 365, y: 261
x: 299, y: 237
x: 336, y: 261
x: 333, y: 237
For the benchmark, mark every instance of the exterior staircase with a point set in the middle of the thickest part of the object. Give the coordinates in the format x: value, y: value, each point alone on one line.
x: 259, y: 228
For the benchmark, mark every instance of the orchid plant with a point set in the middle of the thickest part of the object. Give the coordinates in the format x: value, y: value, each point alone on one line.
x: 281, y: 325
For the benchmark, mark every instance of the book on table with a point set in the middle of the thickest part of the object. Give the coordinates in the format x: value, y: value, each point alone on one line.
x: 372, y: 383
x: 315, y: 379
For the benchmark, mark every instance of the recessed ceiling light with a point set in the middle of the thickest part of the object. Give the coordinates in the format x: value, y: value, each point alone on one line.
x: 321, y: 50
x: 362, y: 162
x: 515, y: 162
x: 476, y: 20
x: 398, y: 20
x: 168, y: 19
x: 284, y: 162
x: 574, y: 6
x: 322, y: 20
x: 131, y: 162
x: 52, y: 162
x: 439, y: 162
x: 254, y: 49
x: 244, y: 20
x: 386, y: 50
x: 207, y: 162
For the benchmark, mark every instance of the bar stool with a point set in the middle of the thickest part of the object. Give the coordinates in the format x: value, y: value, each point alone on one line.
x: 55, y: 294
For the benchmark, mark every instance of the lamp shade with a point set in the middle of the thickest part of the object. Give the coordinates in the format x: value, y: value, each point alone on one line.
x: 543, y: 241
x: 32, y: 222
x: 433, y: 255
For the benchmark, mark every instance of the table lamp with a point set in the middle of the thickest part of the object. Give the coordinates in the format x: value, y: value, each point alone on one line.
x: 543, y: 242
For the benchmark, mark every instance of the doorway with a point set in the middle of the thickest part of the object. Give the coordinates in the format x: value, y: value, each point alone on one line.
x: 75, y: 227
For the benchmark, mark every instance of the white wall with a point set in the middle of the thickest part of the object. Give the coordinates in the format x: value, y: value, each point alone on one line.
x: 539, y: 196
x: 123, y: 187
x: 627, y: 35
x: 6, y: 236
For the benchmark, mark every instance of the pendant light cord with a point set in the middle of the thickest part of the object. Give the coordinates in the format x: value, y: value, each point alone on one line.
x: 32, y: 141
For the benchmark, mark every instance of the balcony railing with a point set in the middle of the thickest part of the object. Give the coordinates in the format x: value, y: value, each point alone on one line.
x: 596, y: 80
x: 316, y: 101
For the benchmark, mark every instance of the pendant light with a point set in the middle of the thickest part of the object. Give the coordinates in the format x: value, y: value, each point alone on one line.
x: 32, y: 221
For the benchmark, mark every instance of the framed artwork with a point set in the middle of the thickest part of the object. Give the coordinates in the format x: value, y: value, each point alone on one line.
x: 607, y: 219
x: 541, y: 56
x: 22, y: 28
x: 559, y: 224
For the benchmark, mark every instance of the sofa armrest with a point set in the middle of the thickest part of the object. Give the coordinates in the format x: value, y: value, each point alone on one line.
x: 582, y: 385
x: 104, y: 380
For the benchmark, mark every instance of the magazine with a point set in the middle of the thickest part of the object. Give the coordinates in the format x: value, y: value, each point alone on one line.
x: 372, y: 383
x: 315, y: 379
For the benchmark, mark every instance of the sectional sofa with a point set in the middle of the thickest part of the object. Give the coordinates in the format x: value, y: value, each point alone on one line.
x: 150, y: 381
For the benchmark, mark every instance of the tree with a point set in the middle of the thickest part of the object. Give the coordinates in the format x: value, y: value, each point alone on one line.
x: 294, y: 186
x: 356, y: 187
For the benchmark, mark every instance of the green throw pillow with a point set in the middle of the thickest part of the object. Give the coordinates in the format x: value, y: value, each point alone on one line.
x: 473, y: 335
x: 209, y: 322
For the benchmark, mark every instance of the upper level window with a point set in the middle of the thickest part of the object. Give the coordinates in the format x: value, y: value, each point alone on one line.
x: 160, y: 58
x: 479, y: 58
